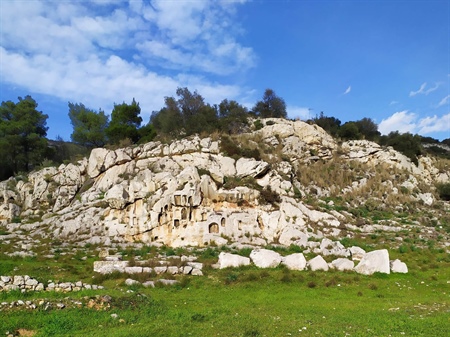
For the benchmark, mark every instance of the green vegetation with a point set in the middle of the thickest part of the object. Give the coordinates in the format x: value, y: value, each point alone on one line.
x: 88, y: 126
x: 271, y: 105
x: 125, y: 123
x: 244, y: 301
x: 23, y: 129
x: 444, y: 191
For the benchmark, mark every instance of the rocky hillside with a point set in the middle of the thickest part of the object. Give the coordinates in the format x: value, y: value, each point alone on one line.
x: 286, y: 183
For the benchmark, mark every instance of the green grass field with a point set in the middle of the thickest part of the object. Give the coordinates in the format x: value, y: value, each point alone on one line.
x: 245, y: 302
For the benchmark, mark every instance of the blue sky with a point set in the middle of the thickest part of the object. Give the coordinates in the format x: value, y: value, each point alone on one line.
x: 387, y: 60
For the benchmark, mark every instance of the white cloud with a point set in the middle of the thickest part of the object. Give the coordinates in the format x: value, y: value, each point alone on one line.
x: 444, y: 101
x: 295, y: 112
x: 348, y: 90
x: 393, y: 102
x: 423, y: 91
x: 108, y: 51
x: 434, y: 124
x: 404, y: 121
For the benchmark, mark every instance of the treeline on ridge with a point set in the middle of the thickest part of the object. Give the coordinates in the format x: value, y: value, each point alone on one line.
x: 23, y: 129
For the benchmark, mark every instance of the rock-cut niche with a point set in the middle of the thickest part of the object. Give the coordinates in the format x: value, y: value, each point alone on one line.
x: 213, y: 228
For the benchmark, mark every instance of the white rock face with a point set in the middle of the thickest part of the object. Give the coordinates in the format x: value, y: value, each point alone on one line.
x: 343, y: 264
x: 265, y: 258
x: 373, y: 262
x: 295, y: 261
x: 318, y: 263
x: 248, y: 167
x: 227, y: 260
x: 398, y: 266
x: 117, y: 197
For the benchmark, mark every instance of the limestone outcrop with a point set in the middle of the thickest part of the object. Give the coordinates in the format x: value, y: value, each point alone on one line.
x: 190, y: 193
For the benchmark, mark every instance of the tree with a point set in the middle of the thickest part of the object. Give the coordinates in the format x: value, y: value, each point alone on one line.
x: 270, y: 106
x: 22, y: 136
x: 168, y: 120
x: 147, y: 133
x: 186, y: 115
x: 88, y: 126
x: 125, y: 122
x: 349, y: 131
x: 405, y: 143
x: 329, y: 124
x: 233, y: 116
x: 368, y: 128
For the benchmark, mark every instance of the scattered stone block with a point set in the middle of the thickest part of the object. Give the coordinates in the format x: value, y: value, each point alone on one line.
x: 398, y: 266
x: 318, y: 263
x: 130, y: 282
x: 265, y: 258
x: 373, y: 262
x: 343, y: 264
x: 228, y: 260
x: 295, y: 261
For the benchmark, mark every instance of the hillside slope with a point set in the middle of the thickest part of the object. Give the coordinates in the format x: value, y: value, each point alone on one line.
x: 301, y: 187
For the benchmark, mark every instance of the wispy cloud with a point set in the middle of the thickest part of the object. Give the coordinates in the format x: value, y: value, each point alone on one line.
x: 444, y: 101
x: 347, y: 91
x: 393, y: 102
x: 423, y: 91
x: 81, y: 52
x: 405, y: 121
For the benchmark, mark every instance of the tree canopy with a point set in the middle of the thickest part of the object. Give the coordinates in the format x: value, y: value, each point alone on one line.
x: 125, y: 123
x: 22, y: 136
x: 270, y: 106
x: 88, y: 126
x: 186, y: 115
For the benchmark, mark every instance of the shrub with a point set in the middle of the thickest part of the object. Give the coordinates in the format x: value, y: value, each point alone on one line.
x: 444, y: 191
x: 267, y: 196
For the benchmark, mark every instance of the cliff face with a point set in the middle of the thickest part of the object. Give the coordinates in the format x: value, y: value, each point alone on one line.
x: 189, y: 193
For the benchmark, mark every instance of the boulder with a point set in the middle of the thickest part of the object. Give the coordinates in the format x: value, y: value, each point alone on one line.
x: 398, y: 266
x: 265, y: 258
x: 227, y: 260
x: 357, y: 253
x: 373, y: 262
x: 343, y: 264
x: 318, y: 263
x: 249, y: 167
x: 295, y: 261
x: 130, y: 282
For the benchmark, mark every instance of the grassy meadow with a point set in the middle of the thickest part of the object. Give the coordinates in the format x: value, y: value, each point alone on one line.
x: 244, y: 301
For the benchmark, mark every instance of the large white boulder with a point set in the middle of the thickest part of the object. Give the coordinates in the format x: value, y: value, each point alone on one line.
x: 343, y: 264
x: 295, y: 261
x: 227, y: 260
x: 398, y: 266
x: 373, y: 262
x: 265, y: 258
x: 318, y: 263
